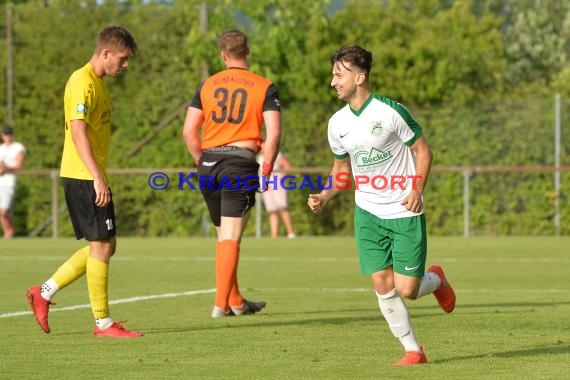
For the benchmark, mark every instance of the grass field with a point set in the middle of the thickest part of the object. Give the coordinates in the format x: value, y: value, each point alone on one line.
x: 322, y: 320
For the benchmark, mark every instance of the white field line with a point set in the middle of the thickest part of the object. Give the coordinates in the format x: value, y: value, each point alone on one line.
x: 115, y: 302
x: 353, y: 258
x: 312, y: 290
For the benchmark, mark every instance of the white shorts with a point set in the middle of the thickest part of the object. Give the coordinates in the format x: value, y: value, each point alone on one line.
x: 6, y: 197
x: 275, y: 199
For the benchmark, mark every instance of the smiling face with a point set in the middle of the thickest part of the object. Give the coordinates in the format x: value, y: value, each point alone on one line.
x: 345, y: 79
x: 350, y: 70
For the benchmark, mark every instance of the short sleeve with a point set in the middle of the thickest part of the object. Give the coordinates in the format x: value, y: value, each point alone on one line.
x: 21, y: 148
x: 196, y: 101
x: 405, y: 126
x: 272, y: 102
x: 80, y: 94
x: 336, y: 146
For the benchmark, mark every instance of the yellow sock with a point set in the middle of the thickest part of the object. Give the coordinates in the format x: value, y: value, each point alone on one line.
x: 72, y: 269
x: 97, y: 286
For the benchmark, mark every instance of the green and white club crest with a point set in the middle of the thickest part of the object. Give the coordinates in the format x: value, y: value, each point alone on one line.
x: 377, y: 128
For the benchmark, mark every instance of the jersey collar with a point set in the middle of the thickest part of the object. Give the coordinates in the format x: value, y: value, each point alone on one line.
x: 361, y: 109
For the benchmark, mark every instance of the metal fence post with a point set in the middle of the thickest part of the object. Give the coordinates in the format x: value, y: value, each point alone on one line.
x: 258, y: 218
x: 9, y: 66
x: 466, y: 202
x: 557, y: 133
x: 54, y: 204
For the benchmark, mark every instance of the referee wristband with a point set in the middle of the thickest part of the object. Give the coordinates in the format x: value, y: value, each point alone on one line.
x: 266, y: 169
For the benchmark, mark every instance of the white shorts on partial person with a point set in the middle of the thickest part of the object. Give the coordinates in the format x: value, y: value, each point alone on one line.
x: 275, y: 199
x: 6, y: 197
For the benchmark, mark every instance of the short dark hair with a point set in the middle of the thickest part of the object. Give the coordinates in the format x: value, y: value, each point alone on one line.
x: 355, y: 55
x: 8, y: 130
x: 116, y: 37
x: 234, y: 43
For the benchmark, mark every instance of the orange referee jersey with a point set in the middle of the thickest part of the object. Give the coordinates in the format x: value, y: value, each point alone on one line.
x: 233, y: 102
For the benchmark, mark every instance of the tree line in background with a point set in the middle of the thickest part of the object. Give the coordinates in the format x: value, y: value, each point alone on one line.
x: 480, y: 76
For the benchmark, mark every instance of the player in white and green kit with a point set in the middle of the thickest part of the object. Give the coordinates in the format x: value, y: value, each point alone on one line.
x: 382, y: 144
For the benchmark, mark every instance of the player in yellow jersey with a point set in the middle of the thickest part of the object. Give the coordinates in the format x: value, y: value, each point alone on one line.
x: 87, y: 108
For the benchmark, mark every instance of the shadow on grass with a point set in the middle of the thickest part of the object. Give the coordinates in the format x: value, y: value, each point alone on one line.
x: 251, y: 321
x: 372, y: 315
x: 503, y: 305
x: 560, y: 349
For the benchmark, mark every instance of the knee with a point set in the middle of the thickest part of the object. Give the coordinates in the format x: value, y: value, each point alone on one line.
x: 383, y: 282
x: 112, y: 247
x: 409, y: 291
x: 108, y: 248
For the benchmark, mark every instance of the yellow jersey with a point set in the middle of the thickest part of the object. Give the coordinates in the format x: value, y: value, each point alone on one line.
x: 86, y: 98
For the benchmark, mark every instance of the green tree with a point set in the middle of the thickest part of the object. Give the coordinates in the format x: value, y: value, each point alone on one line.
x: 446, y: 60
x: 444, y: 54
x: 538, y: 40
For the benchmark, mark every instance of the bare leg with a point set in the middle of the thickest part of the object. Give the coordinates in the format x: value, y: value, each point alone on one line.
x: 6, y: 221
x: 274, y: 224
x: 287, y: 221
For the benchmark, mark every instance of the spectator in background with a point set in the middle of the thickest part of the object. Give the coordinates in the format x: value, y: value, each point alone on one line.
x: 275, y: 199
x: 12, y: 155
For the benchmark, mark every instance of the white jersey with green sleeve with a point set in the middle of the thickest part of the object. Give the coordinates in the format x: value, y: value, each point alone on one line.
x: 377, y: 137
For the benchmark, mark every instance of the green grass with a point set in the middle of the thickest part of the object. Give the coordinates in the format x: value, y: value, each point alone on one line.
x: 322, y: 320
